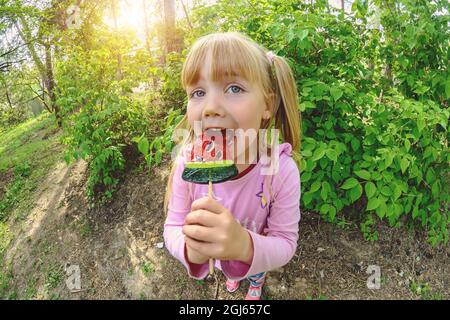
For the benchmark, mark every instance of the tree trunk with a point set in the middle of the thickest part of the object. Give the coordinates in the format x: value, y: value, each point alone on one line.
x: 119, y: 55
x: 169, y: 22
x: 50, y: 84
x: 45, y: 70
x: 146, y: 27
x: 8, y: 98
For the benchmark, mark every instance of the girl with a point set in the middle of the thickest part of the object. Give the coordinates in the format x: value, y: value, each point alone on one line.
x: 251, y: 224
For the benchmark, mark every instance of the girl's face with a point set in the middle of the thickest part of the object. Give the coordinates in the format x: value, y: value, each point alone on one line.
x: 232, y: 103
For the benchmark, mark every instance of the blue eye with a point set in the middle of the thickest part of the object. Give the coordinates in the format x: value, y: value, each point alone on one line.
x: 202, y: 93
x: 235, y: 89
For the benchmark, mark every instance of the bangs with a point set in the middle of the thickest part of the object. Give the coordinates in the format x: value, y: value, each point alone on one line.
x: 230, y: 55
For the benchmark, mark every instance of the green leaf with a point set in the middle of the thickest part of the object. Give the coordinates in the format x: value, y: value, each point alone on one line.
x: 306, y: 176
x: 315, y: 186
x: 336, y: 93
x: 355, y: 193
x: 148, y: 159
x: 370, y: 189
x: 364, y: 174
x: 355, y: 144
x: 385, y: 190
x: 303, y: 34
x: 307, y: 198
x: 397, y: 191
x: 143, y: 146
x: 324, y: 208
x: 389, y: 157
x: 435, y: 189
x: 373, y: 204
x: 158, y: 156
x: 332, y: 212
x: 430, y: 176
x: 325, y: 190
x: 404, y: 163
x: 398, y: 209
x: 318, y: 154
x: 407, y: 145
x: 107, y: 180
x: 381, y: 210
x: 447, y: 89
x: 331, y: 154
x: 349, y: 183
x: 420, y: 123
x: 415, y: 212
x: 156, y: 144
x: 306, y: 105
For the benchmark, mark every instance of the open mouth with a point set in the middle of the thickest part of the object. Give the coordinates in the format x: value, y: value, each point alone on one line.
x: 217, y: 130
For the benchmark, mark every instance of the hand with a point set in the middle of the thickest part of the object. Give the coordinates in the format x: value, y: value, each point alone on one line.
x: 212, y: 231
x: 194, y: 256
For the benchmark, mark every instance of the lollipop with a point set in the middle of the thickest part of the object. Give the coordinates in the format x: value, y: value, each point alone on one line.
x: 210, y: 161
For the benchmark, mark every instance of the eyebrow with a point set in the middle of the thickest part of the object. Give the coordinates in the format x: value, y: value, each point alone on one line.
x: 226, y: 78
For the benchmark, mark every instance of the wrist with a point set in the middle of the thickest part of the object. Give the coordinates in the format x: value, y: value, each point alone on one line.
x: 247, y: 252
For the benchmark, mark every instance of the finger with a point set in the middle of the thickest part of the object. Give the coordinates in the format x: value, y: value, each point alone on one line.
x: 202, y: 217
x: 200, y: 233
x: 203, y: 248
x: 207, y: 203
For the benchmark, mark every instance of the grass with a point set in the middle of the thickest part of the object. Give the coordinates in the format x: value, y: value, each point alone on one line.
x: 5, y: 238
x: 30, y: 291
x: 147, y: 268
x: 17, y: 143
x: 85, y: 228
x: 423, y: 290
x: 319, y: 297
x: 53, y: 278
x: 28, y: 152
x: 6, y: 292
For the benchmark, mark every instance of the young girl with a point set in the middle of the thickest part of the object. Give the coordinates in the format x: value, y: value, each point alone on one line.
x: 250, y: 226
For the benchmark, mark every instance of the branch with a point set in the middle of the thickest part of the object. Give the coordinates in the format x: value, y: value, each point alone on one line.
x: 5, y: 65
x: 26, y: 35
x: 186, y: 14
x: 40, y: 98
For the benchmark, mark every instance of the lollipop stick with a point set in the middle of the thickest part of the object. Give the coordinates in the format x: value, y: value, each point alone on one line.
x: 211, y: 260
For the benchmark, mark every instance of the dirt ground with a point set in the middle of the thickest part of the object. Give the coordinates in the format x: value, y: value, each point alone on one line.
x: 116, y: 248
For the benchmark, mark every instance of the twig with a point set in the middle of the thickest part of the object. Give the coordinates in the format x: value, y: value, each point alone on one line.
x: 216, y: 278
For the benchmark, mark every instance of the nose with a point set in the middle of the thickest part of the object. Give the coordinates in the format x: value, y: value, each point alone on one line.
x: 213, y: 107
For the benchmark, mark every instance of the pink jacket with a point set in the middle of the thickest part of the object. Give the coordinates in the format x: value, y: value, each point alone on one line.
x: 270, y: 216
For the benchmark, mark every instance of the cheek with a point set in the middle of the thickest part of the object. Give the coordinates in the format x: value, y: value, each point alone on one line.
x: 250, y: 118
x: 193, y: 113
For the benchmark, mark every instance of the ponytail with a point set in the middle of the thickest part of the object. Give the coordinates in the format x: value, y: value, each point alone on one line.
x: 286, y: 113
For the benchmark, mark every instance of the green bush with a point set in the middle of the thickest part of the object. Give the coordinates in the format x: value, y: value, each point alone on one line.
x: 99, y: 135
x: 101, y: 114
x: 10, y: 117
x: 374, y: 104
x: 389, y: 160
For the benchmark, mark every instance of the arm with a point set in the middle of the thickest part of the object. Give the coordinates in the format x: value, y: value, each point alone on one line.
x: 178, y: 207
x: 278, y: 246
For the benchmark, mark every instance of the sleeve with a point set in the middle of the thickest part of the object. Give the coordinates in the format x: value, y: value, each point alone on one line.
x: 179, y: 206
x: 277, y: 247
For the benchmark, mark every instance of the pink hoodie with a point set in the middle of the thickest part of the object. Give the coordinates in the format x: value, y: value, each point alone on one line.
x: 272, y: 222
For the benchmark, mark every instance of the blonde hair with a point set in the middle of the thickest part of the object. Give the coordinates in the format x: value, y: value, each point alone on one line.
x: 234, y: 53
